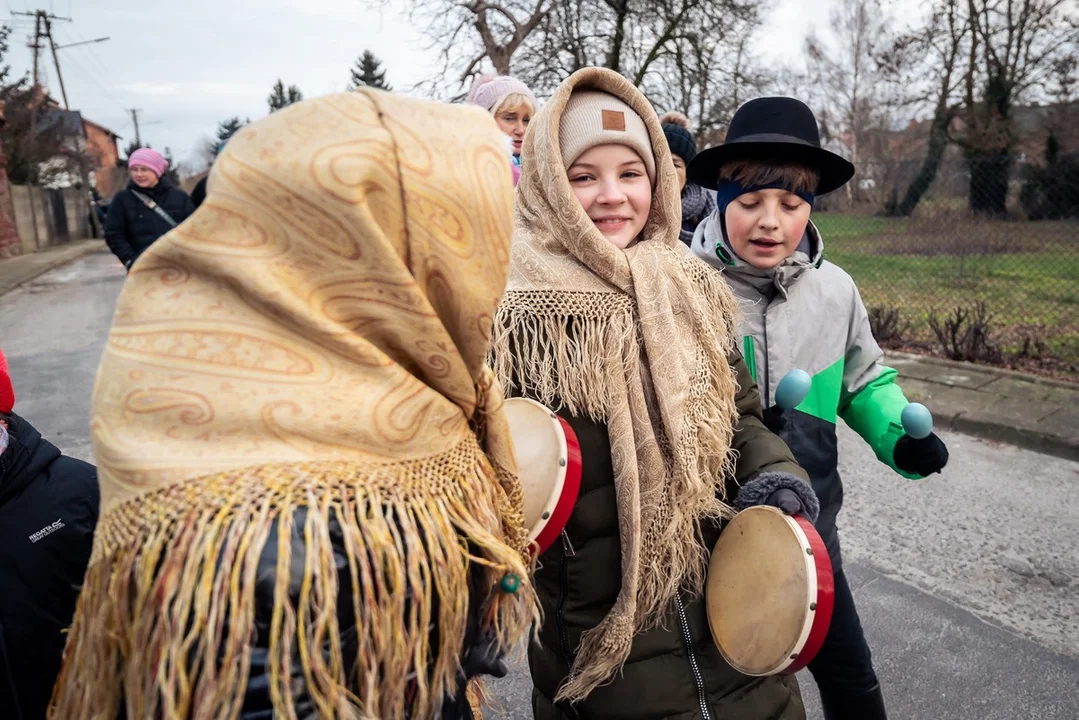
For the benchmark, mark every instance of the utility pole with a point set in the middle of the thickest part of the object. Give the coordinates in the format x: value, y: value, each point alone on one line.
x: 36, y: 44
x: 43, y: 29
x: 36, y: 47
x: 56, y: 61
x: 135, y: 119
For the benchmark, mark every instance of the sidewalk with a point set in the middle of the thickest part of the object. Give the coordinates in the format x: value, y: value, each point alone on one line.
x: 24, y: 268
x: 994, y: 403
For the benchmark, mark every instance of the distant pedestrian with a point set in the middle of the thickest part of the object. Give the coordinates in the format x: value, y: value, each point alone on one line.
x: 149, y: 207
x: 697, y: 202
x: 512, y: 104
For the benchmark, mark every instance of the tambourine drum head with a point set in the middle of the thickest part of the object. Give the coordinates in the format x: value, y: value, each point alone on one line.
x: 757, y: 591
x: 541, y: 450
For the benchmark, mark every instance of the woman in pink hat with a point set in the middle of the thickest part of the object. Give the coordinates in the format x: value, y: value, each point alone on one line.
x: 512, y: 104
x: 149, y: 207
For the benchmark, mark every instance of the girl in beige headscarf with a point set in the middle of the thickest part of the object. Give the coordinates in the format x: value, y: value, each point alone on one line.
x: 310, y: 505
x: 608, y: 318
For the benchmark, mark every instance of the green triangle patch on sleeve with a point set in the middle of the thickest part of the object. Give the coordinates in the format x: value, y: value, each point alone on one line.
x: 823, y: 398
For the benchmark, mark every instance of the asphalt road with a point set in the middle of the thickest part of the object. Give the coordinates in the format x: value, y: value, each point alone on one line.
x: 968, y: 583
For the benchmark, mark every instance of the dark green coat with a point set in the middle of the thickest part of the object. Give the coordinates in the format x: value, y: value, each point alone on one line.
x: 673, y: 671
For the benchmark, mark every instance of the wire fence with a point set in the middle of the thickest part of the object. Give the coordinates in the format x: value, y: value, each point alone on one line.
x: 997, y: 287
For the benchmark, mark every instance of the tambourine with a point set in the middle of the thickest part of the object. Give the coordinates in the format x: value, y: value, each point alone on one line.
x: 770, y: 592
x: 549, y: 461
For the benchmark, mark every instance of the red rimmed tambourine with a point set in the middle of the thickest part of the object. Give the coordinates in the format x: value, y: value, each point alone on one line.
x: 549, y: 461
x: 770, y: 592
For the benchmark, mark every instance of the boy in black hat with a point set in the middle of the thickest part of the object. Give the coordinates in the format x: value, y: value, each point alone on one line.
x: 697, y: 202
x: 803, y: 312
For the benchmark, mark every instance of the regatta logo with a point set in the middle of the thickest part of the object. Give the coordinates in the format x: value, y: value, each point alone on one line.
x: 47, y: 530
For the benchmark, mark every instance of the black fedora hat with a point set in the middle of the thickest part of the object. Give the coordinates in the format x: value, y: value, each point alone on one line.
x: 776, y: 129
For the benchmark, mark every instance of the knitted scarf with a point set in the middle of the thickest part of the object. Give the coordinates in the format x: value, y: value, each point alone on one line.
x: 313, y: 339
x: 637, y: 339
x: 697, y: 204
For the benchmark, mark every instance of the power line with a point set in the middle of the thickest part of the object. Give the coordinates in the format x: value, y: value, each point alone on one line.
x: 90, y: 52
x: 86, y: 69
x: 83, y: 42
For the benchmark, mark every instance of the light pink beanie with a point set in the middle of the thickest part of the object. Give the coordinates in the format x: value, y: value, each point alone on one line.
x: 148, y: 157
x: 488, y: 90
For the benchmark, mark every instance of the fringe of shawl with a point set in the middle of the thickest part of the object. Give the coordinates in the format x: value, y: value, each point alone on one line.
x: 559, y: 347
x: 166, y: 619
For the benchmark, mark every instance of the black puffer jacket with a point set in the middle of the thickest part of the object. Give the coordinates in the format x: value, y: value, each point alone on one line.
x: 48, y: 511
x: 131, y: 226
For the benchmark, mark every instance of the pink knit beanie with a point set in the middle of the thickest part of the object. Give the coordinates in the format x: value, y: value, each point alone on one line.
x: 488, y: 90
x: 148, y: 157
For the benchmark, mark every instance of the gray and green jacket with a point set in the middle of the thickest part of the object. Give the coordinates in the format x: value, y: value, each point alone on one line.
x: 807, y: 314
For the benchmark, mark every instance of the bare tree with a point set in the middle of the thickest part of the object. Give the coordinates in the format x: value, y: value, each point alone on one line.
x: 468, y: 33
x: 1015, y: 47
x: 844, y: 80
x: 44, y: 145
x: 710, y: 75
x: 923, y: 64
x: 688, y: 55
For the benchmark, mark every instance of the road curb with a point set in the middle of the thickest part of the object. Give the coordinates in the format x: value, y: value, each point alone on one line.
x: 979, y: 410
x: 1008, y: 434
x: 17, y: 271
x: 958, y: 365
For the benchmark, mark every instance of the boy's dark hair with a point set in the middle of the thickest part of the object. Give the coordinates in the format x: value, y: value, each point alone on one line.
x: 797, y: 178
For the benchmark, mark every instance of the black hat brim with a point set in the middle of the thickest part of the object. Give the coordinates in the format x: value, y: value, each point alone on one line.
x: 835, y: 171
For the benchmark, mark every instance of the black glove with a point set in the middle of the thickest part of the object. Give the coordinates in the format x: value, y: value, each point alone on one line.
x: 920, y: 457
x: 786, y: 500
x: 775, y: 420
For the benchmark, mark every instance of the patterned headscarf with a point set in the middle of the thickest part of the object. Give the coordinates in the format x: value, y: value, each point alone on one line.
x: 638, y: 339
x: 312, y: 338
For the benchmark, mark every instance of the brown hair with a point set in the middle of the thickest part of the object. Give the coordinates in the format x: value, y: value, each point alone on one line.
x: 797, y: 178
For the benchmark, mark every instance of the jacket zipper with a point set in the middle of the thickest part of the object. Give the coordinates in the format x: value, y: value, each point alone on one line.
x: 563, y: 637
x: 7, y: 674
x: 697, y: 677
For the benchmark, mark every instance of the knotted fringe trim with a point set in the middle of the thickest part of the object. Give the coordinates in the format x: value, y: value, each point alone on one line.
x: 165, y: 623
x: 712, y: 416
x: 558, y: 347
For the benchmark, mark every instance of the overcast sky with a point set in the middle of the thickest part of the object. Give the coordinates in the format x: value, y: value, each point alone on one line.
x: 187, y: 64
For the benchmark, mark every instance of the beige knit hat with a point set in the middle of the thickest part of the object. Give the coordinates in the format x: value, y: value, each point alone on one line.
x: 594, y: 118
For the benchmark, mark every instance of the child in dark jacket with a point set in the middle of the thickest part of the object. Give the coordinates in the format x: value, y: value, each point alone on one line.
x: 801, y: 311
x: 697, y: 202
x: 609, y: 321
x: 48, y: 512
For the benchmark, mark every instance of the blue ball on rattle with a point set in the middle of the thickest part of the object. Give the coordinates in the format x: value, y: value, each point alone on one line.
x: 793, y: 389
x: 917, y: 421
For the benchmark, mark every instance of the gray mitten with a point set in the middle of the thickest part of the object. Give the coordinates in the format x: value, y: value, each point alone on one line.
x: 784, y: 491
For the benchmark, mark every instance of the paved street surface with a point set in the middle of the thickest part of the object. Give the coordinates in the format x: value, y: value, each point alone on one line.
x: 968, y: 584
